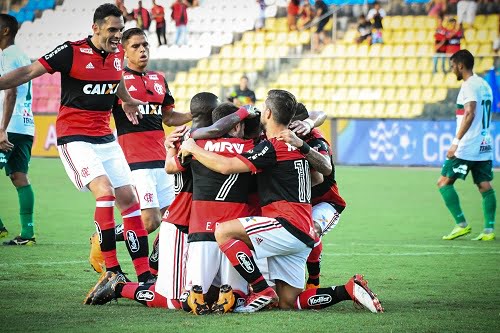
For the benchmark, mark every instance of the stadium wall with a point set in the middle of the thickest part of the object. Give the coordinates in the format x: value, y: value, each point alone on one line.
x: 355, y: 141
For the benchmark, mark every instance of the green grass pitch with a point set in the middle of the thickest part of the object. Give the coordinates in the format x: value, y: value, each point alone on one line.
x: 390, y: 232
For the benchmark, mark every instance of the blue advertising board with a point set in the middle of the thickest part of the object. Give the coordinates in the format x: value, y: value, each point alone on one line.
x: 400, y: 142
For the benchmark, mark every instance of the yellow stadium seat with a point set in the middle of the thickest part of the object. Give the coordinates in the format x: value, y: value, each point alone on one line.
x: 329, y: 79
x: 305, y: 79
x: 214, y: 78
x: 350, y: 35
x: 270, y: 23
x: 411, y: 64
x: 192, y: 78
x: 364, y: 79
x: 375, y: 50
x: 376, y: 79
x: 351, y: 79
x: 282, y: 37
x: 425, y: 79
x: 482, y: 36
x: 238, y: 51
x: 362, y: 64
x: 179, y: 93
x: 395, y: 38
x: 473, y: 47
x: 354, y: 109
x: 237, y: 64
x: 405, y: 110
x: 417, y: 109
x: 259, y: 38
x: 327, y: 65
x: 248, y: 38
x: 259, y: 64
x: 401, y: 79
x: 386, y: 51
x: 438, y: 80
x: 203, y: 77
x: 491, y: 22
x: 180, y: 78
x: 316, y: 65
x: 339, y: 79
x: 330, y: 50
x: 409, y: 37
x: 305, y: 95
x: 402, y: 94
x: 483, y: 64
x: 317, y: 80
x: 413, y: 79
x: 291, y: 39
x: 351, y: 65
x: 485, y: 49
x: 424, y: 65
x: 373, y: 64
x: 339, y: 50
x: 398, y: 51
x: 295, y: 78
x: 226, y: 51
x: 304, y: 37
x: 318, y: 94
x: 470, y: 34
x: 270, y: 36
x: 440, y: 94
x: 305, y: 64
x: 410, y: 50
x: 408, y: 22
x: 378, y: 110
x: 214, y: 64
x: 398, y: 64
x: 414, y: 95
x: 352, y: 51
x: 391, y: 110
x: 340, y: 94
x: 425, y: 50
x: 366, y: 110
x: 389, y: 94
x: 353, y: 94
x: 451, y: 81
x: 386, y: 66
x: 339, y: 64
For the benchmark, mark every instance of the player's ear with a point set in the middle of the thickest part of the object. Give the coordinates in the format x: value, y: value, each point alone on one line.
x: 95, y: 28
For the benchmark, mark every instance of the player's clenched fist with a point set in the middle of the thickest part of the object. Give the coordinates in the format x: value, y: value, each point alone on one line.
x: 175, y: 136
x: 187, y: 148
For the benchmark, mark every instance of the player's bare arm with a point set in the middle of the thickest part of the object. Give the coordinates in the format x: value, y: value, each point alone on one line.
x: 213, y: 161
x: 318, y: 161
x: 316, y: 178
x: 8, y: 108
x: 130, y: 105
x: 171, y: 165
x: 174, y: 118
x: 469, y: 114
x: 304, y: 127
x: 224, y: 125
x: 21, y: 75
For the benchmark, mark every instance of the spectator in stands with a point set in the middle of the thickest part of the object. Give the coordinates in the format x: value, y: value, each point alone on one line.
x: 142, y: 17
x: 466, y: 12
x: 321, y: 13
x: 292, y: 12
x: 158, y: 14
x: 261, y: 18
x: 454, y: 36
x: 436, y: 8
x: 364, y: 29
x: 242, y: 95
x: 440, y: 45
x: 192, y: 3
x: 179, y: 15
x: 127, y: 17
x: 305, y: 15
x: 375, y: 16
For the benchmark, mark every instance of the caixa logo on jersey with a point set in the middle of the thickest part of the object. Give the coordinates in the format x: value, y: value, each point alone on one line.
x: 245, y: 262
x: 100, y: 88
x: 150, y: 109
x: 133, y: 241
x: 319, y: 299
x: 145, y: 295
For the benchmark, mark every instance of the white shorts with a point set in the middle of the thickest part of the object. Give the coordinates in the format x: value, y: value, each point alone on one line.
x: 326, y: 216
x: 207, y: 266
x: 286, y: 254
x: 155, y: 188
x: 172, y: 250
x: 466, y: 11
x: 85, y: 161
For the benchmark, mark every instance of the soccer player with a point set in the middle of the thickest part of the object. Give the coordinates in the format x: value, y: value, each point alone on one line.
x: 17, y: 129
x: 143, y: 144
x: 91, y: 75
x: 286, y: 234
x: 471, y: 149
x: 216, y: 198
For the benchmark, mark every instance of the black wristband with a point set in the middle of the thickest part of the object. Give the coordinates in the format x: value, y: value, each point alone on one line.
x: 305, y: 148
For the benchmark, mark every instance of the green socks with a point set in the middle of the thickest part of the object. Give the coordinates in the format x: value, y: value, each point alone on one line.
x: 26, y: 203
x: 451, y: 200
x: 489, y: 208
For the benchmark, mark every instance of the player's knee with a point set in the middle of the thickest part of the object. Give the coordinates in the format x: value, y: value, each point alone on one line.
x: 484, y: 186
x: 221, y: 233
x: 19, y: 179
x: 286, y: 303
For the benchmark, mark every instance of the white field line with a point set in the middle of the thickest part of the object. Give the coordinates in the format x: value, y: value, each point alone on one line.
x: 44, y: 263
x: 448, y: 246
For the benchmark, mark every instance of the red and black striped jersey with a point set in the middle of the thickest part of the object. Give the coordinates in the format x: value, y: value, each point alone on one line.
x: 284, y: 185
x: 142, y: 144
x: 217, y: 198
x: 89, y: 81
x: 179, y: 212
x: 327, y: 191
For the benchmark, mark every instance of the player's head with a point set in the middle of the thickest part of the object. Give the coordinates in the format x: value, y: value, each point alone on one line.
x: 225, y: 109
x: 201, y: 106
x: 376, y: 5
x: 279, y: 107
x: 362, y: 18
x: 461, y: 62
x: 136, y: 46
x: 243, y: 82
x: 8, y: 28
x: 253, y: 128
x: 108, y: 26
x: 300, y: 112
x: 452, y: 23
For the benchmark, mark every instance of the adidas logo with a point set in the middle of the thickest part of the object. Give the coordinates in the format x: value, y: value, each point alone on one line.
x: 89, y: 66
x: 132, y: 88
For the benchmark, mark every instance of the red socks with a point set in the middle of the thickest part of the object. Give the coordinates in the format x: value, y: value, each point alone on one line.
x: 105, y: 226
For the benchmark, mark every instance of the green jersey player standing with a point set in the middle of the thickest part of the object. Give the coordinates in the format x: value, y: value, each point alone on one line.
x: 17, y: 129
x: 471, y: 149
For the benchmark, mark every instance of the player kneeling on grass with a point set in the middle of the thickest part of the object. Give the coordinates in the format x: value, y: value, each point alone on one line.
x: 285, y: 234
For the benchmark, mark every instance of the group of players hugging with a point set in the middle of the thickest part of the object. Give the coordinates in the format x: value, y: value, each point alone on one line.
x: 242, y: 198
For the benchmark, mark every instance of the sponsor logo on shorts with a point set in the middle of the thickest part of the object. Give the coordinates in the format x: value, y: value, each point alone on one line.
x: 245, y: 262
x: 118, y: 64
x: 319, y: 299
x: 148, y: 197
x: 86, y: 50
x: 461, y: 169
x: 85, y: 172
x: 145, y: 295
x: 98, y: 229
x: 133, y: 241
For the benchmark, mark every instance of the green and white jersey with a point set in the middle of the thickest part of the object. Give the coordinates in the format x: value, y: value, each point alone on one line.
x: 476, y: 144
x: 22, y: 118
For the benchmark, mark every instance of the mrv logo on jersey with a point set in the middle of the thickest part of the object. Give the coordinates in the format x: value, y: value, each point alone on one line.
x: 224, y: 146
x: 100, y: 88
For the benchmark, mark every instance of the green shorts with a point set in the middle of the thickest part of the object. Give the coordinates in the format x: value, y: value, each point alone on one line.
x: 18, y: 159
x: 482, y: 171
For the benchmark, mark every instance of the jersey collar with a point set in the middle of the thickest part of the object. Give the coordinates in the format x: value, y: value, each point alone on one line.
x: 103, y: 53
x: 128, y: 70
